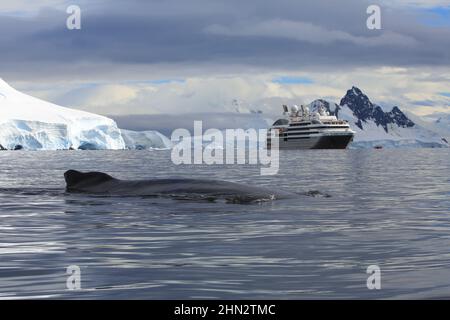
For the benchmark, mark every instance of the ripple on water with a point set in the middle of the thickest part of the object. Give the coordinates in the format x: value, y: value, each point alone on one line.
x: 389, y: 208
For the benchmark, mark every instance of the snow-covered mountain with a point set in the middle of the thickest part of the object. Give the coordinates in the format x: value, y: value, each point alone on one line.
x: 33, y: 124
x: 376, y: 127
x: 439, y: 123
x: 442, y: 126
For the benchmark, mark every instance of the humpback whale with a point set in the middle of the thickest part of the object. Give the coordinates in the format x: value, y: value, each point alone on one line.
x: 100, y: 183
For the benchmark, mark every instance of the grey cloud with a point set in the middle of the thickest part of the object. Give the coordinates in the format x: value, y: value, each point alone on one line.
x: 308, y: 32
x: 281, y: 35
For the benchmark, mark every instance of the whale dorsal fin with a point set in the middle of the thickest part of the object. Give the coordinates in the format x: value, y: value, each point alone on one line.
x: 74, y: 178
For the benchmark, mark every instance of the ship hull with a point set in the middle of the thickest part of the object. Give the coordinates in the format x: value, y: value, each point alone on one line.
x: 314, y: 142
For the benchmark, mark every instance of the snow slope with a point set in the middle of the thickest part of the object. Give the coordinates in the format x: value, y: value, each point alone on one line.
x: 437, y: 122
x: 376, y: 127
x: 33, y: 124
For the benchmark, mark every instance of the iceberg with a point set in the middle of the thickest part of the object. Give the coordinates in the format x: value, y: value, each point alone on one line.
x: 145, y: 140
x: 32, y: 124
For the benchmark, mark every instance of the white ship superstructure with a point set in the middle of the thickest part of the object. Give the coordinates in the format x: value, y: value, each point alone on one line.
x: 302, y: 129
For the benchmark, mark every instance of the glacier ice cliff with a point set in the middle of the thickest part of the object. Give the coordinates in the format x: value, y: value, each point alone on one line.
x: 32, y: 124
x: 145, y: 140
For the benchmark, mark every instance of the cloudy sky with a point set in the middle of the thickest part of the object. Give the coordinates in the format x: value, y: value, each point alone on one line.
x: 196, y: 56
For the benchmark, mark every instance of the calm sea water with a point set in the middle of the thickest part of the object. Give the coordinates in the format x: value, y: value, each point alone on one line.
x: 389, y: 208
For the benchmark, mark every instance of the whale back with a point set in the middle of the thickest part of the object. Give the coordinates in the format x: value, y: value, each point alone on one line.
x: 75, y: 179
x: 187, y: 189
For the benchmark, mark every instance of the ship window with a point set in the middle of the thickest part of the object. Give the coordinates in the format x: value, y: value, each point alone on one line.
x: 281, y: 122
x: 301, y: 124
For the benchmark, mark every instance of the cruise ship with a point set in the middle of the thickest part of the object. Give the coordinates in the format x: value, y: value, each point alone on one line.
x: 302, y: 129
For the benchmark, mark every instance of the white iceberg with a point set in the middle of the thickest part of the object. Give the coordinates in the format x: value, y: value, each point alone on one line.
x: 145, y: 140
x: 33, y: 124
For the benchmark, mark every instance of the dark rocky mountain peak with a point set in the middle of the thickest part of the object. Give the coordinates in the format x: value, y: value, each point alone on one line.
x: 364, y: 110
